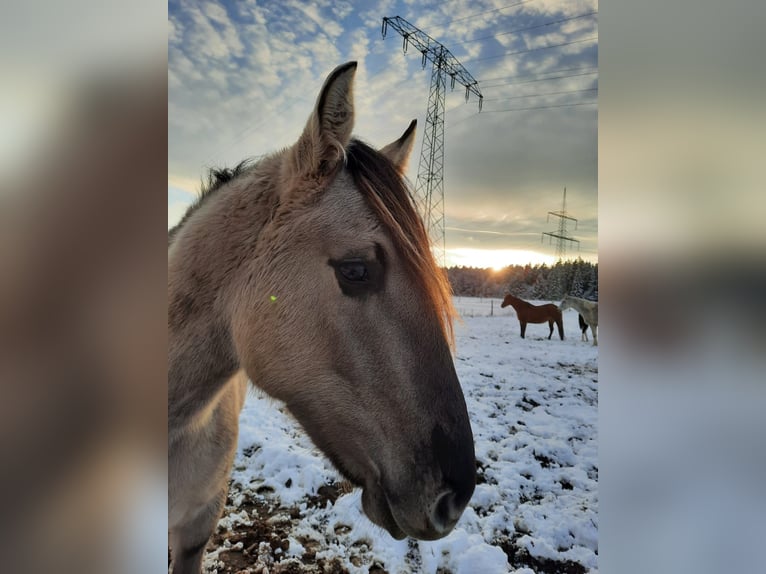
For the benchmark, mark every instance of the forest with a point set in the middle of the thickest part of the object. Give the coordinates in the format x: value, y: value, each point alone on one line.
x: 573, y: 277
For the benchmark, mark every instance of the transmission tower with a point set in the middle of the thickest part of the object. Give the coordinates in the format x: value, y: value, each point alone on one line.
x: 561, y: 236
x: 429, y: 186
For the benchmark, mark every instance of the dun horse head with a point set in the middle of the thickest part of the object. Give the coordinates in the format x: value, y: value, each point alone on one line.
x: 340, y: 310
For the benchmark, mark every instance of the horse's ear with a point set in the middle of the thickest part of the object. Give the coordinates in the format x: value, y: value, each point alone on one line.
x: 399, y: 151
x: 328, y: 131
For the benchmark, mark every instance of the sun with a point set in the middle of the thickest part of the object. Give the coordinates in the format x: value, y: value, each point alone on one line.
x: 495, y: 259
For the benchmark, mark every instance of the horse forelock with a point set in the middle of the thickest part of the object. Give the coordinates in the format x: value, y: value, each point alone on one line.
x: 388, y: 195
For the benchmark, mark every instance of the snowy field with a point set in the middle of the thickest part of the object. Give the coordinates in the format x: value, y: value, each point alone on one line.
x: 533, y: 409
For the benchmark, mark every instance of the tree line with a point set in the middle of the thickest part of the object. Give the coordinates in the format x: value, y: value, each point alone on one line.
x: 573, y: 277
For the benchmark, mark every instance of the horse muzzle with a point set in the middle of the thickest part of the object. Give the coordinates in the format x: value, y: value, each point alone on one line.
x: 420, y: 518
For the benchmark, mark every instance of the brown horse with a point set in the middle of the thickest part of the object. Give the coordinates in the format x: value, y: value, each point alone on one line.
x: 310, y: 274
x: 528, y: 313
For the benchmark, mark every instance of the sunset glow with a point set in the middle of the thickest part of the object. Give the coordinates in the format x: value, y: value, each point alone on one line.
x: 495, y: 258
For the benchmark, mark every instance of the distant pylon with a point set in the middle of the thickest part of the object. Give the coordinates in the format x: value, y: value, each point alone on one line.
x: 429, y: 186
x: 561, y: 235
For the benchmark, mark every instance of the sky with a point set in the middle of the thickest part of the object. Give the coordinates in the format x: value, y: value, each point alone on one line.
x: 243, y: 78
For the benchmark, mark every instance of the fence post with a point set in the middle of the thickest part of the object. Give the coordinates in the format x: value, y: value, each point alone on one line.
x: 491, y: 307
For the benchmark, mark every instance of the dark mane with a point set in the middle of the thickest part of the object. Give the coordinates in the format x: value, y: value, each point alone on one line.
x: 518, y: 301
x: 389, y: 196
x: 216, y: 179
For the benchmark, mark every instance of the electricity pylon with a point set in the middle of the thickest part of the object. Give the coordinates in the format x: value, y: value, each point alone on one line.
x: 429, y: 186
x: 561, y: 236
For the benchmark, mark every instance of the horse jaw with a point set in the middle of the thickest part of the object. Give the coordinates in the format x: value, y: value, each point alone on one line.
x: 377, y: 509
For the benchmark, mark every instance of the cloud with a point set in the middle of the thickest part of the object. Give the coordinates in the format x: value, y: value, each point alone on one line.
x: 243, y: 79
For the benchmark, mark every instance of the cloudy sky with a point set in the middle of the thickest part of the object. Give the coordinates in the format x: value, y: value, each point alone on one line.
x: 243, y: 78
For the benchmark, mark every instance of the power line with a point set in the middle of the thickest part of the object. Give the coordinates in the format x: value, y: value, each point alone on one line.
x: 542, y: 79
x: 455, y: 107
x: 517, y: 234
x: 539, y: 95
x: 540, y: 107
x: 461, y: 120
x: 527, y: 28
x: 485, y: 12
x: 533, y: 49
x: 245, y: 132
x: 538, y: 73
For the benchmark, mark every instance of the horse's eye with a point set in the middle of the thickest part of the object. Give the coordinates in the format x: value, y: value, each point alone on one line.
x: 358, y: 276
x: 354, y: 271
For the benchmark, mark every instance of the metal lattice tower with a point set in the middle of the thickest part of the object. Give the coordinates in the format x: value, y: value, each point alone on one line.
x: 429, y: 186
x: 561, y: 236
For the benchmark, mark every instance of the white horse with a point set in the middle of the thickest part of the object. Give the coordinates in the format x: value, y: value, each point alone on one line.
x: 587, y: 309
x: 583, y: 328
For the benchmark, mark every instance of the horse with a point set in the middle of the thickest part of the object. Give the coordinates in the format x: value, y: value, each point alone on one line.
x: 310, y: 274
x: 528, y: 313
x: 588, y: 311
x: 583, y: 328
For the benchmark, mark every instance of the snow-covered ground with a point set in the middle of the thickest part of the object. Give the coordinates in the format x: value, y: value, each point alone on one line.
x: 533, y: 409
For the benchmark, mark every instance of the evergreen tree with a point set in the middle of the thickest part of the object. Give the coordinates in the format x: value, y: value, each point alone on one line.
x: 540, y: 282
x: 577, y: 288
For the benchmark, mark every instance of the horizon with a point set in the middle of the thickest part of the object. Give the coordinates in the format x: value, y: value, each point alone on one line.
x: 498, y: 270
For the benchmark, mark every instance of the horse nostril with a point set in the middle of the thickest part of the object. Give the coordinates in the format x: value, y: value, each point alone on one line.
x: 445, y: 512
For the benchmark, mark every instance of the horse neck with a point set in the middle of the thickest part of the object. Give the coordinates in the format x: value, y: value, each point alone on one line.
x: 519, y: 304
x: 203, y: 258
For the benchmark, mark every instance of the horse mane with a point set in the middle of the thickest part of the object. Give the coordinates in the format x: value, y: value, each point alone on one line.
x: 216, y: 179
x: 390, y: 198
x: 519, y: 300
